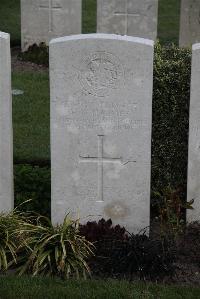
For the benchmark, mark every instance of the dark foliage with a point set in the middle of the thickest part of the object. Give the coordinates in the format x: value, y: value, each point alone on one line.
x: 33, y: 182
x: 105, y: 238
x: 119, y: 254
x: 141, y: 255
x: 96, y: 231
x: 172, y: 210
x: 170, y: 206
x: 189, y: 244
x: 38, y: 54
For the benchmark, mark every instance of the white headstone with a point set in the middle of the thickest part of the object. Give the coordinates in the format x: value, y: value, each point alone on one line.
x: 101, y: 106
x: 194, y: 138
x: 42, y: 20
x: 128, y: 17
x: 189, y: 23
x: 6, y: 138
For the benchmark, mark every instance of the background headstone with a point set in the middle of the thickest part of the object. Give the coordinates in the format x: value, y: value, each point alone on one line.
x: 42, y: 20
x: 101, y: 106
x: 189, y: 23
x: 194, y: 138
x: 6, y: 138
x: 128, y: 17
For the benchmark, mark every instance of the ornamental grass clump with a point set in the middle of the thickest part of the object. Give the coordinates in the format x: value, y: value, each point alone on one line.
x: 55, y: 250
x: 9, y: 242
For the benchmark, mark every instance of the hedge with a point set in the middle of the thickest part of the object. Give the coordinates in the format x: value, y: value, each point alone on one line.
x: 171, y: 95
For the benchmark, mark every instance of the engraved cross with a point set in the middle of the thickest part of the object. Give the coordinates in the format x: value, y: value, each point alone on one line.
x: 126, y: 15
x: 100, y: 160
x: 51, y: 7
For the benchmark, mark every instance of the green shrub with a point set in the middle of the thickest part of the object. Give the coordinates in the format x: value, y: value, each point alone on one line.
x: 55, y: 250
x: 33, y: 182
x: 171, y: 209
x: 170, y: 116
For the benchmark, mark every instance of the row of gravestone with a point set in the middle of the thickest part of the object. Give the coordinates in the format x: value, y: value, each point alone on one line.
x: 101, y: 120
x: 43, y: 20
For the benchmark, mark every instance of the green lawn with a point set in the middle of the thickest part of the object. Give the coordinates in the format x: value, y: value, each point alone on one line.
x: 31, y: 117
x: 89, y: 16
x: 10, y: 19
x: 168, y: 21
x: 40, y: 288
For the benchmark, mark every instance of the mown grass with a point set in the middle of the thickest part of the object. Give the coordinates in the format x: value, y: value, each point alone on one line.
x: 10, y: 19
x: 31, y: 117
x: 40, y: 288
x: 168, y: 21
x: 89, y: 16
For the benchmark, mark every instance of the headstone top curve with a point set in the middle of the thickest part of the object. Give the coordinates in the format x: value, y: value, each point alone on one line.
x: 196, y: 46
x: 105, y: 36
x: 4, y: 35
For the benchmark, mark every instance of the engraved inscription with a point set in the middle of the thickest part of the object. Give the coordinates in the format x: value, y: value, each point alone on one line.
x: 51, y: 6
x: 195, y: 130
x: 105, y: 116
x: 101, y: 72
x: 101, y: 159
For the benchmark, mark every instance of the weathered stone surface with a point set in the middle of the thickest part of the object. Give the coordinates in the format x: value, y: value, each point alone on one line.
x: 101, y: 106
x: 194, y: 138
x: 189, y: 23
x: 128, y: 17
x: 6, y: 147
x: 42, y: 20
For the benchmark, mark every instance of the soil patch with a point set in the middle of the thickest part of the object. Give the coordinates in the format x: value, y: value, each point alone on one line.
x: 19, y: 65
